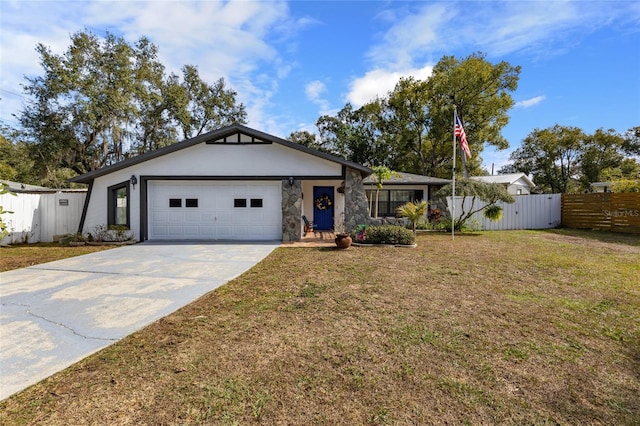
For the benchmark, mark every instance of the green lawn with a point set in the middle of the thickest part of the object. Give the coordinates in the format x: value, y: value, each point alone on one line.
x: 517, y: 327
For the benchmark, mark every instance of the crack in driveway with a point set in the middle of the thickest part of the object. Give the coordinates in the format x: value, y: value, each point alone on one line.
x: 59, y: 324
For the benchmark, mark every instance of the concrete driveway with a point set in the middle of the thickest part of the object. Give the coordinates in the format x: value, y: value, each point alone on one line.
x: 55, y: 314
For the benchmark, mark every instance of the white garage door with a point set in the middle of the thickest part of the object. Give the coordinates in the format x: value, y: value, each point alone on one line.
x: 202, y: 210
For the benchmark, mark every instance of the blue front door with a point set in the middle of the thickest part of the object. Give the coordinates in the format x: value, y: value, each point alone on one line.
x: 323, y: 207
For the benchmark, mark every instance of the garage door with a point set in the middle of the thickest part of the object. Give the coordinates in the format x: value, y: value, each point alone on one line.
x: 201, y: 210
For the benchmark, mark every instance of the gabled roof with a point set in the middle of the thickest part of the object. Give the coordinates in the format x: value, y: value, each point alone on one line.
x: 507, y: 179
x: 400, y: 178
x: 219, y: 136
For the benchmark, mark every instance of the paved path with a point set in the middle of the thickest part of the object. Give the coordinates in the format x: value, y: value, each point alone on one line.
x: 55, y: 314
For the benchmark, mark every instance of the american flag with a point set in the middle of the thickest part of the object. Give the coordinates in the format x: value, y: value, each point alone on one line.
x: 459, y: 131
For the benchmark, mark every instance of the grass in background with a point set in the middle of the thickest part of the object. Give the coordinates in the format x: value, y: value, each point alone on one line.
x: 519, y: 327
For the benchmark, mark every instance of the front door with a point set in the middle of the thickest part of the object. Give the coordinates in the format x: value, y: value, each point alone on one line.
x: 323, y: 207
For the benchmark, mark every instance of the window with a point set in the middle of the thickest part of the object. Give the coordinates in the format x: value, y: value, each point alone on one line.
x: 390, y: 199
x: 256, y: 202
x: 175, y: 202
x: 191, y: 202
x: 240, y: 202
x: 118, y: 205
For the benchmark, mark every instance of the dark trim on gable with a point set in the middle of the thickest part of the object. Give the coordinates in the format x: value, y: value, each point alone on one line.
x: 237, y: 143
x: 85, y: 207
x: 236, y: 139
x: 215, y: 136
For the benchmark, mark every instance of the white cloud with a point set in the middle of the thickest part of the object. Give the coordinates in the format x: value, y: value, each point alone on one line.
x: 417, y: 33
x: 379, y: 82
x: 18, y: 56
x: 314, y: 89
x: 223, y: 38
x: 529, y: 102
x: 424, y: 33
x: 230, y: 39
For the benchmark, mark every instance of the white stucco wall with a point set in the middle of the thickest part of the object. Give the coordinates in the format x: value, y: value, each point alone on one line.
x: 239, y: 160
x: 209, y: 160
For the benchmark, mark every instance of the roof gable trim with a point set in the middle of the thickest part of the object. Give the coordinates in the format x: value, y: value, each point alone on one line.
x: 239, y: 138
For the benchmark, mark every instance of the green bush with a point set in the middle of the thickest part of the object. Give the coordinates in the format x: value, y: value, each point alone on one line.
x: 76, y: 238
x: 421, y: 225
x: 387, y: 234
x: 444, y: 224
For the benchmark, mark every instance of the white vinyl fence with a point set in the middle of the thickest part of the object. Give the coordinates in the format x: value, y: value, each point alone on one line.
x: 41, y: 216
x: 528, y: 212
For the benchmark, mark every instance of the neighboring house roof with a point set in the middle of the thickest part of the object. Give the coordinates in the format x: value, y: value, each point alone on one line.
x: 400, y: 178
x: 601, y: 184
x: 213, y: 136
x: 506, y: 179
x: 25, y: 188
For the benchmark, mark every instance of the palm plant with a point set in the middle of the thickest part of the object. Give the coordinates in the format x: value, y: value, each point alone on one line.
x: 413, y: 211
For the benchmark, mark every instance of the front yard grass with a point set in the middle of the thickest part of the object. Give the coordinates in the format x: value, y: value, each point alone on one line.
x: 24, y: 255
x: 518, y: 327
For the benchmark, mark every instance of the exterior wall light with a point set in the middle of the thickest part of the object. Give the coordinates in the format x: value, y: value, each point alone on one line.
x: 291, y: 181
x: 134, y: 181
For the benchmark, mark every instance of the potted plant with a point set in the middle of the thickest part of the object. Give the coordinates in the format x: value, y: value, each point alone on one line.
x: 343, y: 239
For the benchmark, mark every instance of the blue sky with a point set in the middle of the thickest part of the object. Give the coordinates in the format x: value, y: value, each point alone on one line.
x: 292, y: 62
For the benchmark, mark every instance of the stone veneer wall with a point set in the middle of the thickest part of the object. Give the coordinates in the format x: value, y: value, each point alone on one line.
x: 356, y: 207
x: 291, y: 211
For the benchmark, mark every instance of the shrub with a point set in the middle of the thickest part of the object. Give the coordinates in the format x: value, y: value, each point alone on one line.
x: 77, y: 237
x: 114, y: 233
x: 387, y: 234
x: 444, y: 224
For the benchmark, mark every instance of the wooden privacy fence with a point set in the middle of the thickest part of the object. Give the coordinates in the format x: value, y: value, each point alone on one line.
x: 617, y: 212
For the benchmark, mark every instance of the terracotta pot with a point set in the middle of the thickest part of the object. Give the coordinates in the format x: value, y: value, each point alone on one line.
x: 343, y: 241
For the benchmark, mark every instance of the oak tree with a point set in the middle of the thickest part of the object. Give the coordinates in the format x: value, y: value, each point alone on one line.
x: 411, y: 128
x: 105, y: 99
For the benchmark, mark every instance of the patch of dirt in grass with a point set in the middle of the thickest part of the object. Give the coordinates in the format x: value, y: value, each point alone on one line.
x: 494, y: 328
x: 625, y: 243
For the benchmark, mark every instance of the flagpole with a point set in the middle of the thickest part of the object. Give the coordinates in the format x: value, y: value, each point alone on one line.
x: 453, y: 185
